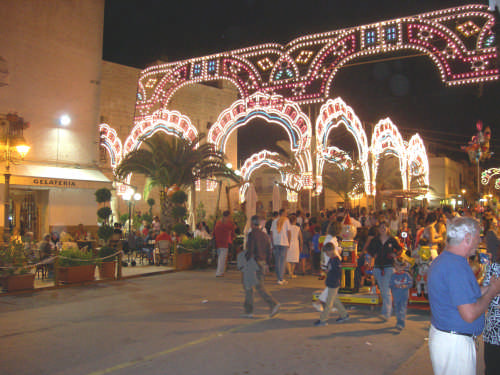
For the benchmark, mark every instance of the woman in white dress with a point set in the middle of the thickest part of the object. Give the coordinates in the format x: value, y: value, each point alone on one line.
x: 295, y: 248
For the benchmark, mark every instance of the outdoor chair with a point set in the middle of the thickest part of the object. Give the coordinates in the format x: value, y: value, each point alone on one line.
x: 162, y: 252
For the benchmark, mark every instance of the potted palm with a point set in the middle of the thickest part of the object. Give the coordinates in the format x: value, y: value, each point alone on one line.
x: 107, y: 265
x: 14, y: 269
x: 76, y: 266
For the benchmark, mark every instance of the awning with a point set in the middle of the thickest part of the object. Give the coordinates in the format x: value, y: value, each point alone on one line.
x: 47, y: 176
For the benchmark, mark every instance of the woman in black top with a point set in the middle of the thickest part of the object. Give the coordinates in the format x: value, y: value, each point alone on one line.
x: 384, y: 248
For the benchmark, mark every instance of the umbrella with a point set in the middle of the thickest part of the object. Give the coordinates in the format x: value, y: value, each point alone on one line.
x: 251, y: 201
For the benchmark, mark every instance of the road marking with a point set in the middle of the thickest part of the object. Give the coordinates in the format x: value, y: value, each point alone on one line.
x: 183, y: 346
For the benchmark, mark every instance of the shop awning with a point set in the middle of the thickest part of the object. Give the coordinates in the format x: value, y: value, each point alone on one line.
x: 47, y: 176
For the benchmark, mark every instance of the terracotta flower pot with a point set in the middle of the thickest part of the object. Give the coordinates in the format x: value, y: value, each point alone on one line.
x: 184, y: 261
x: 107, y: 270
x: 14, y: 283
x: 77, y: 274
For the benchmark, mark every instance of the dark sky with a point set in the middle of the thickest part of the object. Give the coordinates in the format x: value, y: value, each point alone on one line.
x: 138, y: 32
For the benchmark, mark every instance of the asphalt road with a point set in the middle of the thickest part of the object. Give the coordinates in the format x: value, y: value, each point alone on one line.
x: 190, y: 323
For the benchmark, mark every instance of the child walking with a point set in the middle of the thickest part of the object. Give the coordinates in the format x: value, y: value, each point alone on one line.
x: 333, y: 276
x: 400, y: 283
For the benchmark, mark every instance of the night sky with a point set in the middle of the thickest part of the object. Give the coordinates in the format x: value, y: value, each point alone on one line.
x: 409, y: 91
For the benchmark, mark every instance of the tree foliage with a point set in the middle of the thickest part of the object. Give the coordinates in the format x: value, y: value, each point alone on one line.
x: 174, y: 161
x: 343, y: 181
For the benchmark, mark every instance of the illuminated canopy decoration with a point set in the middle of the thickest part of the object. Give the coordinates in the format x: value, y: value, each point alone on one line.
x: 459, y: 41
x: 275, y: 110
x: 111, y: 143
x: 332, y: 114
x: 273, y: 160
x: 386, y: 140
x: 169, y: 122
x: 488, y: 174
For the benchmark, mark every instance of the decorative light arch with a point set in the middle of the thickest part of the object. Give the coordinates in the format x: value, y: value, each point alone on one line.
x: 332, y: 114
x: 488, y: 174
x: 273, y: 160
x: 416, y: 159
x: 459, y: 41
x: 170, y: 122
x: 276, y: 110
x: 386, y: 139
x: 111, y: 142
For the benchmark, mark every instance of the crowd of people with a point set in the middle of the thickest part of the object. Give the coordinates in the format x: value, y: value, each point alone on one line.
x: 300, y: 244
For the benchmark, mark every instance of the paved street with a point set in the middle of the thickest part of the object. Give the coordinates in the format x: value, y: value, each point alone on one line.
x: 190, y: 323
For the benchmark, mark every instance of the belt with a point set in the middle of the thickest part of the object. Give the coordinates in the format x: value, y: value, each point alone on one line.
x: 457, y: 333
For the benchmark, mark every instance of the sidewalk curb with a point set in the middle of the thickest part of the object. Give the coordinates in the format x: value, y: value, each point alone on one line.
x: 62, y: 286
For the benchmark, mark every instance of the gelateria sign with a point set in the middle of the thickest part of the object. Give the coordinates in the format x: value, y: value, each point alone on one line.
x: 60, y: 183
x: 53, y: 182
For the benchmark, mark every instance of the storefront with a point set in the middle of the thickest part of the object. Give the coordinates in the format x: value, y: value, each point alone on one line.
x: 44, y: 198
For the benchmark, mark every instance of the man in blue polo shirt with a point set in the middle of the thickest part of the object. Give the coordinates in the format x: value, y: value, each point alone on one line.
x: 457, y: 302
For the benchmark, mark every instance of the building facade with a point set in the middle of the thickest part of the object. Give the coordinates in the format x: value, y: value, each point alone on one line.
x: 51, y: 52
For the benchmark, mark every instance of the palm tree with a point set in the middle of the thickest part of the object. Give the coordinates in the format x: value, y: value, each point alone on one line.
x: 174, y: 161
x: 344, y: 181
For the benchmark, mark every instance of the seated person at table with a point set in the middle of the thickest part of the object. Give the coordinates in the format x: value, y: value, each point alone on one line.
x: 46, y: 247
x: 160, y: 252
x: 163, y: 236
x: 15, y: 237
x: 201, y: 232
x: 66, y: 237
x: 81, y: 234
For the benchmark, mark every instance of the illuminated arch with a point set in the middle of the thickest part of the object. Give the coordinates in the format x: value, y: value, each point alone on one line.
x: 416, y: 159
x: 488, y: 174
x: 386, y: 139
x: 459, y: 41
x: 332, y: 114
x: 276, y: 110
x: 111, y: 142
x: 235, y: 69
x: 170, y: 122
x: 273, y: 160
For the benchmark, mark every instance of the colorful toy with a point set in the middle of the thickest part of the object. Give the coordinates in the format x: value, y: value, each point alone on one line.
x: 348, y: 231
x: 478, y: 147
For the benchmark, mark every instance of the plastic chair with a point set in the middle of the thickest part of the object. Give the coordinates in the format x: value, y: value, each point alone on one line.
x: 162, y: 252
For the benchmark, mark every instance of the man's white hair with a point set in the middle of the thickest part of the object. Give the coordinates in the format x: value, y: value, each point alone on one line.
x: 458, y: 227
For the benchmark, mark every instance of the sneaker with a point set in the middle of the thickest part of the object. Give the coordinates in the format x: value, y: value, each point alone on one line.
x: 318, y: 306
x: 319, y: 323
x: 282, y: 282
x: 399, y: 327
x: 249, y: 316
x: 343, y: 319
x: 275, y: 310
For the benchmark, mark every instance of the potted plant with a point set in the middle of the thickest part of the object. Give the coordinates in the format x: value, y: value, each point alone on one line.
x: 199, y: 250
x: 14, y: 270
x: 103, y: 197
x: 76, y: 266
x: 183, y: 258
x: 107, y: 264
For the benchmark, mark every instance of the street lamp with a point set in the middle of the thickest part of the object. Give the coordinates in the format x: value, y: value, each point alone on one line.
x: 129, y: 197
x: 14, y: 148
